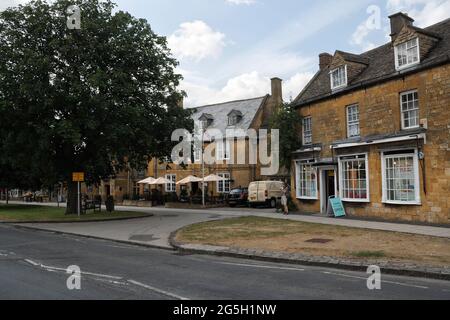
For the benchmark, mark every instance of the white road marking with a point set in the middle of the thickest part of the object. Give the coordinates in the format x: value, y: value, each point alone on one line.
x: 382, y: 281
x: 260, y: 266
x: 163, y: 292
x: 50, y: 268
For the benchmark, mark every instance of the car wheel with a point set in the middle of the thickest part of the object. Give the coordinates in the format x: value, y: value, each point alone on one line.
x: 273, y: 203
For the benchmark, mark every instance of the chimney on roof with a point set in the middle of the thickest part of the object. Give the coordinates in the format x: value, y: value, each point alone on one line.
x: 277, y: 90
x: 325, y: 60
x: 398, y: 21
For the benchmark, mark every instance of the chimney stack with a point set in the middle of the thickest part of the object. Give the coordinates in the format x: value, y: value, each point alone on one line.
x: 325, y: 60
x: 398, y: 21
x: 277, y: 90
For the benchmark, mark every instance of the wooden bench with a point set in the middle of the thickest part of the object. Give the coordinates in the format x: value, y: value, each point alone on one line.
x: 92, y: 205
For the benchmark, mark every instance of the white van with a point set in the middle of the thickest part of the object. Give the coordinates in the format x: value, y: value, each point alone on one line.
x: 264, y: 192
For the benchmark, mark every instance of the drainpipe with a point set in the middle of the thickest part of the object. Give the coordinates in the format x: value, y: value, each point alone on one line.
x: 422, y: 165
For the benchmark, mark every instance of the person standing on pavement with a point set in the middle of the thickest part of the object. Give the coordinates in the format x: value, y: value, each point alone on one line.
x: 284, y: 199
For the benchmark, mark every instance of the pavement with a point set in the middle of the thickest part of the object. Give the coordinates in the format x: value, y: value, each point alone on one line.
x: 33, y: 264
x: 156, y: 230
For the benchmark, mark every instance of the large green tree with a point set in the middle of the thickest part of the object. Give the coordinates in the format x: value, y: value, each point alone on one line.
x: 288, y: 121
x: 93, y: 99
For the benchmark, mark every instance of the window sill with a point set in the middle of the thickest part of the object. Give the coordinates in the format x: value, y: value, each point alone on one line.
x: 333, y: 90
x: 403, y: 203
x: 410, y: 128
x: 407, y: 66
x: 356, y: 200
x: 307, y: 198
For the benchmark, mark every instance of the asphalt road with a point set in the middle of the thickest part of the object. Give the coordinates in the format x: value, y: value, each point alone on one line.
x: 33, y: 264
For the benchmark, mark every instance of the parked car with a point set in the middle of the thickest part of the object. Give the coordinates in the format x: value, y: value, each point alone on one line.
x: 265, y: 193
x: 238, y: 196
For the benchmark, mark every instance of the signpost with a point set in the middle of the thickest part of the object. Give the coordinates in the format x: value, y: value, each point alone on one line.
x: 78, y: 177
x: 336, y: 205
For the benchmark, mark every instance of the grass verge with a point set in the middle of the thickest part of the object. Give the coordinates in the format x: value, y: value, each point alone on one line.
x: 21, y: 213
x: 319, y: 240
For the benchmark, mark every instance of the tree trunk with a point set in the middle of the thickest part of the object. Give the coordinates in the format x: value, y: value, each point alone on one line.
x: 7, y: 196
x: 72, y: 198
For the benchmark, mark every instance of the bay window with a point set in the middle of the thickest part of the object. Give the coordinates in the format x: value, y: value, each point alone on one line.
x: 400, y: 177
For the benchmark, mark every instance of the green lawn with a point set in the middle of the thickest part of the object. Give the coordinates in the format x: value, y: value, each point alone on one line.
x: 278, y: 235
x: 20, y: 213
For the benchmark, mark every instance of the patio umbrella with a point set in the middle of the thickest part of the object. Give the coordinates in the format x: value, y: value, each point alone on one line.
x: 214, y: 178
x: 160, y: 181
x: 189, y: 179
x: 147, y: 180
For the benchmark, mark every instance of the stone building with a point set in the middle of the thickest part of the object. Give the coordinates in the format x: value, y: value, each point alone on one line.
x: 375, y: 129
x: 246, y: 114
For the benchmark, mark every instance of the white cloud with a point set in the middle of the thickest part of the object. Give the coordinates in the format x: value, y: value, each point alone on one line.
x: 196, y: 40
x: 364, y: 30
x: 244, y: 86
x: 359, y: 37
x: 293, y: 86
x: 424, y: 12
x: 238, y: 2
x: 4, y: 4
x: 247, y: 73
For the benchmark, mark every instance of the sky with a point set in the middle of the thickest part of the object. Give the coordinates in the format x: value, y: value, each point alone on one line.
x: 230, y: 49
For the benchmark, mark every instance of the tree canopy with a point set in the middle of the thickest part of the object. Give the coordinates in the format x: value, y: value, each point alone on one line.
x: 93, y: 99
x: 288, y: 119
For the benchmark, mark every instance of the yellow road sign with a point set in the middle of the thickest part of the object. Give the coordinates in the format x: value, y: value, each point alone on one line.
x: 78, y: 176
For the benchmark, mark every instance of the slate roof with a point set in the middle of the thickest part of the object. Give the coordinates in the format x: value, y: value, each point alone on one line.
x: 219, y: 112
x: 380, y: 68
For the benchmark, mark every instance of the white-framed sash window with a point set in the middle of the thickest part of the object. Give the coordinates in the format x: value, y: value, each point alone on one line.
x: 307, y: 130
x: 354, y: 178
x: 223, y: 150
x: 353, y: 121
x: 306, y: 180
x: 197, y: 154
x: 400, y: 177
x: 407, y: 54
x: 171, y: 187
x: 338, y: 77
x: 409, y: 104
x: 224, y: 185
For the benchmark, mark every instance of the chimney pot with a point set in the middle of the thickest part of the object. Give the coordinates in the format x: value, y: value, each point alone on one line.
x: 325, y: 60
x: 398, y: 21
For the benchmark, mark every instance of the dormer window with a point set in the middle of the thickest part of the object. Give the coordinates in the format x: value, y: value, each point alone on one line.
x: 206, y: 120
x: 338, y: 77
x: 234, y: 117
x: 407, y: 54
